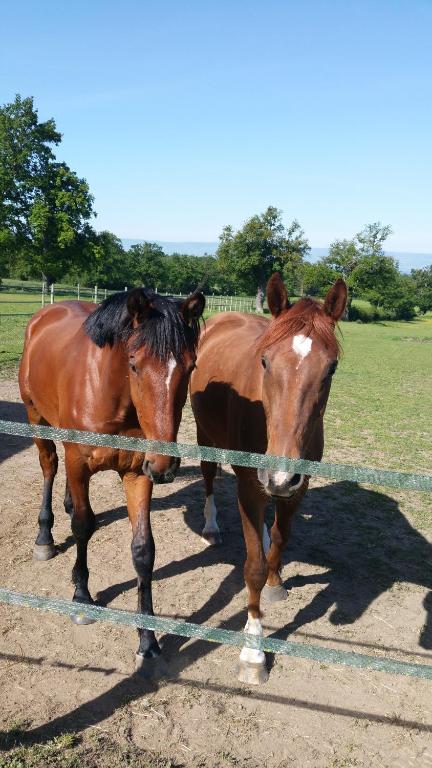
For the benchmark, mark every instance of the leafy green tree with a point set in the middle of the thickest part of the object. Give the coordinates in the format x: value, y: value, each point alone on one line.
x: 146, y: 265
x: 422, y: 279
x: 105, y: 262
x: 370, y: 240
x: 343, y: 257
x: 44, y: 206
x: 377, y: 279
x: 262, y: 246
x: 318, y: 278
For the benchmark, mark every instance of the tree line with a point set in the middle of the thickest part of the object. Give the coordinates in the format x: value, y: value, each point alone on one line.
x: 47, y: 231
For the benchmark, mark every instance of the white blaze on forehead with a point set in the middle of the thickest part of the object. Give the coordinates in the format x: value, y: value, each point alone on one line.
x: 302, y: 345
x: 170, y: 368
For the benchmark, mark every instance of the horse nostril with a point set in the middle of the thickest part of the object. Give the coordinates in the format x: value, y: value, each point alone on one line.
x: 294, y: 480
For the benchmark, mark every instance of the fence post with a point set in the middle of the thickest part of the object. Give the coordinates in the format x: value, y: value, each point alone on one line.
x: 95, y: 294
x: 105, y: 294
x: 43, y: 293
x: 78, y: 291
x: 52, y: 293
x: 125, y: 287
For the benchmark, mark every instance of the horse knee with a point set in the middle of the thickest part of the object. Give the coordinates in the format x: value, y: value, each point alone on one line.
x: 83, y: 526
x: 48, y: 459
x: 256, y: 574
x: 143, y: 553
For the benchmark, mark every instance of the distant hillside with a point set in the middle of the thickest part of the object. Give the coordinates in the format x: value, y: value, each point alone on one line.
x: 407, y: 260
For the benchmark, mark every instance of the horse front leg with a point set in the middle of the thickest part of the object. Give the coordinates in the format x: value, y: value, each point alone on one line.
x: 138, y: 489
x: 252, y: 504
x: 273, y: 591
x: 44, y: 548
x: 83, y: 524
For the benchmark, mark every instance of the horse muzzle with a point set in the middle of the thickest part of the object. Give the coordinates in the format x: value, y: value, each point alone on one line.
x: 280, y: 484
x: 161, y: 469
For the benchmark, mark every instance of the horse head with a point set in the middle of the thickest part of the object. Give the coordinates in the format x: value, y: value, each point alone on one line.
x: 159, y: 335
x: 299, y: 355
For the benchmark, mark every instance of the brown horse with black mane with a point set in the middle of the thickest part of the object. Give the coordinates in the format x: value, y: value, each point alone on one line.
x: 121, y: 368
x: 263, y: 386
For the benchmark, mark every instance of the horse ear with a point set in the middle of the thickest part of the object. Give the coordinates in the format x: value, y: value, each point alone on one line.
x: 193, y: 307
x: 138, y: 305
x: 336, y: 299
x: 277, y: 297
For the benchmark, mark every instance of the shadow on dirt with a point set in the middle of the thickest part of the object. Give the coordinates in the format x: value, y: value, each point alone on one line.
x: 12, y: 444
x: 359, y: 536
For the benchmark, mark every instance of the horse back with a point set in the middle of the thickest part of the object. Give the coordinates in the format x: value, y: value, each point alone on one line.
x: 61, y: 367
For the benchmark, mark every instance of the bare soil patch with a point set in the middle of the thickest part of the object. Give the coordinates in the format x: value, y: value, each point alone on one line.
x: 359, y: 578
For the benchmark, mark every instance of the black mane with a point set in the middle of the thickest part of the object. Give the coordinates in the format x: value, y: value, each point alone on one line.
x: 164, y: 330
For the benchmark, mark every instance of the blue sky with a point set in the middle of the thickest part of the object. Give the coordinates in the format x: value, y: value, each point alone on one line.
x: 185, y: 116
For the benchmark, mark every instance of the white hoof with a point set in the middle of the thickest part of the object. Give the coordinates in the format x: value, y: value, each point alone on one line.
x: 252, y: 673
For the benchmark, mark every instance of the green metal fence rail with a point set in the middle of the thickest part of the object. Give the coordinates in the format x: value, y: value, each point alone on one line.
x: 222, y: 636
x: 400, y: 480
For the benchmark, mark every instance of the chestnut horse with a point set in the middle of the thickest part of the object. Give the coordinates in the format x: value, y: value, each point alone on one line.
x: 262, y: 386
x: 121, y: 368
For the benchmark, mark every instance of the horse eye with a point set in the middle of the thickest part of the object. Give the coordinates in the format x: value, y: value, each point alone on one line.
x: 332, y: 369
x: 264, y: 362
x: 133, y: 367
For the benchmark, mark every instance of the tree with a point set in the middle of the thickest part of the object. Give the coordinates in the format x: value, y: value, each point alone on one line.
x: 318, y: 278
x: 146, y: 264
x: 343, y: 257
x: 370, y: 240
x: 105, y: 262
x: 377, y: 279
x: 44, y: 206
x: 422, y: 279
x: 262, y: 246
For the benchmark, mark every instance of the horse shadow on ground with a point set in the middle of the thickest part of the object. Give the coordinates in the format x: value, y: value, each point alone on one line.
x: 359, y: 536
x: 12, y: 444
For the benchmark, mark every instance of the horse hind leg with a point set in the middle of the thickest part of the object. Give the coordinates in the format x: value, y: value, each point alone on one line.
x: 210, y: 534
x: 44, y: 548
x: 68, y: 503
x: 83, y: 524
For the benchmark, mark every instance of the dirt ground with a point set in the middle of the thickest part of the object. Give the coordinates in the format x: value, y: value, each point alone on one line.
x: 359, y: 579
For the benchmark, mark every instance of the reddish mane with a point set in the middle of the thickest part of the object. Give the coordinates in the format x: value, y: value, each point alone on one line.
x: 306, y: 316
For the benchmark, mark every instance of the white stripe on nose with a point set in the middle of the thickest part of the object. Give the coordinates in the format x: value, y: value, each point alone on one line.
x: 171, y: 365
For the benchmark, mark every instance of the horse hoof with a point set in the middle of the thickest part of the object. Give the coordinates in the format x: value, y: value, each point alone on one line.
x: 211, y: 539
x: 80, y: 618
x: 252, y: 674
x: 44, y: 552
x: 150, y: 667
x: 273, y: 594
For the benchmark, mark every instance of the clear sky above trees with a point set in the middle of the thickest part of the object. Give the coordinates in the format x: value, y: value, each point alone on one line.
x: 185, y: 116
